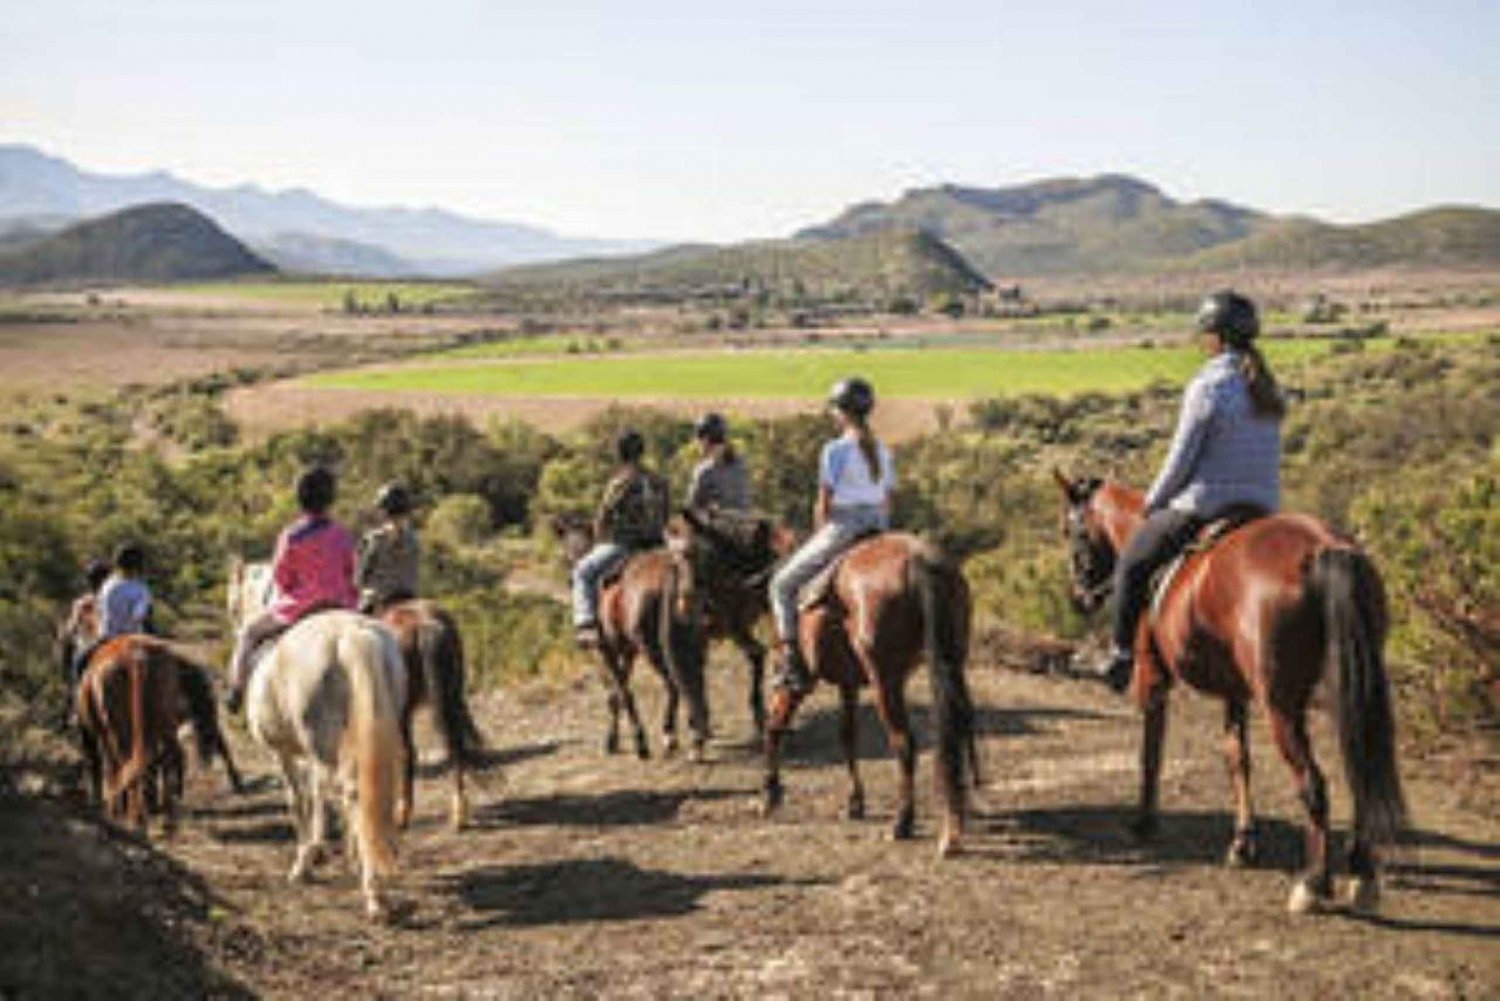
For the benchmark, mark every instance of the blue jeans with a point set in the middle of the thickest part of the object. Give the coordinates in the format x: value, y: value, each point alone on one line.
x: 586, y: 574
x: 842, y: 528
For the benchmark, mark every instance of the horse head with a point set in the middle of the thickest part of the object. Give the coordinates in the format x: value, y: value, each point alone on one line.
x: 1091, y: 553
x: 252, y: 588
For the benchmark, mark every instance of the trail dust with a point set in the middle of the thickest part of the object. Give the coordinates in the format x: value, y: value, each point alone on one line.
x: 587, y: 876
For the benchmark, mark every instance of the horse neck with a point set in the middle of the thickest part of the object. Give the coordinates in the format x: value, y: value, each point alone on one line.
x: 1120, y: 511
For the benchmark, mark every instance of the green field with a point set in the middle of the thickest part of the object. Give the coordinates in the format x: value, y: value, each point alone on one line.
x: 330, y: 294
x: 948, y: 373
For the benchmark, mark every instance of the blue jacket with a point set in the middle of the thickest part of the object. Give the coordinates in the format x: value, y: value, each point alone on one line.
x: 1223, y: 452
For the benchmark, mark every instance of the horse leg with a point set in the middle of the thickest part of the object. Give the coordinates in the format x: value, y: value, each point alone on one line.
x: 755, y: 656
x: 890, y: 702
x: 627, y: 699
x: 784, y: 707
x: 93, y: 765
x: 1243, y: 849
x: 297, y: 802
x: 849, y: 740
x: 1154, y: 730
x: 669, y: 742
x: 1315, y: 887
x: 408, y: 767
x: 172, y: 783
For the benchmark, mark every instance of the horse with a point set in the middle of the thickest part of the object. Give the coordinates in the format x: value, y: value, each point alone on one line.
x: 893, y: 601
x: 635, y: 616
x: 327, y: 699
x: 433, y: 652
x: 131, y: 700
x: 1263, y: 614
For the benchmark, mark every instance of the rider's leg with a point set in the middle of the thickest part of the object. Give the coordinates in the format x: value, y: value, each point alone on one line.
x: 785, y: 588
x: 1161, y: 537
x: 586, y: 575
x: 256, y: 631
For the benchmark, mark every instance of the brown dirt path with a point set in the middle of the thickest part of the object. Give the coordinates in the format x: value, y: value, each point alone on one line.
x: 589, y: 876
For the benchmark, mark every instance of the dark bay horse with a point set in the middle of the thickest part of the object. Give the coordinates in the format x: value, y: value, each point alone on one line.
x: 131, y: 700
x: 636, y: 616
x: 1262, y: 615
x: 434, y: 654
x: 894, y: 601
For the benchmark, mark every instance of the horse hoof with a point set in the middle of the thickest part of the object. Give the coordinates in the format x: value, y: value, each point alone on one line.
x: 904, y: 829
x: 855, y: 808
x: 699, y: 754
x: 949, y: 846
x: 772, y: 798
x: 642, y: 749
x: 612, y: 744
x: 1305, y: 900
x: 1242, y: 853
x: 458, y: 814
x: 669, y: 746
x: 1364, y: 895
x: 403, y: 817
x: 377, y: 910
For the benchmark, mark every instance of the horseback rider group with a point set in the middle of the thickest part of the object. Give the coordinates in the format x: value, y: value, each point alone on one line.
x: 1225, y: 455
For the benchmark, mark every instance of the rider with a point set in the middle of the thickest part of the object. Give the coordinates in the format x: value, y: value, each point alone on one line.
x: 313, y: 570
x: 855, y: 477
x: 632, y: 516
x: 1226, y: 453
x: 388, y: 554
x: 720, y: 481
x: 80, y: 635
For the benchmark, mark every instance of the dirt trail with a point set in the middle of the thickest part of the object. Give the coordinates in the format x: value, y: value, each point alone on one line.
x: 589, y: 876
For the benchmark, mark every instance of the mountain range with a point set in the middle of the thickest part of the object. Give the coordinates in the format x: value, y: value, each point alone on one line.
x: 295, y: 225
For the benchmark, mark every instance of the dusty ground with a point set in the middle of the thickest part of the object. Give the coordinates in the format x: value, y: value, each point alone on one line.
x: 589, y: 876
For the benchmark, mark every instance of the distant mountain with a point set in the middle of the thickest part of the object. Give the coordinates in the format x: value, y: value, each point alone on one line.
x: 1437, y: 237
x: 875, y: 266
x: 1104, y: 223
x: 303, y: 253
x: 432, y: 241
x: 160, y: 242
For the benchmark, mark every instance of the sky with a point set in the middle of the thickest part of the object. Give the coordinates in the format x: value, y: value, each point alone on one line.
x: 701, y: 120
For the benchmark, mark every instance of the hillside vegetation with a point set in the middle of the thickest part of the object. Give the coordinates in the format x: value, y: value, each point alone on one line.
x: 148, y: 243
x: 1439, y: 237
x: 877, y: 267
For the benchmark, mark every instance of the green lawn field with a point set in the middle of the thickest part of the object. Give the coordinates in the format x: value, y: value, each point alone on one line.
x: 940, y: 373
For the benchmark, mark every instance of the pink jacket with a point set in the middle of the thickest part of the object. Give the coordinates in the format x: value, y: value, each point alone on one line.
x: 314, y: 568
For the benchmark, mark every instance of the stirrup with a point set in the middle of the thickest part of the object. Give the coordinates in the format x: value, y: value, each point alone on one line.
x: 793, y: 675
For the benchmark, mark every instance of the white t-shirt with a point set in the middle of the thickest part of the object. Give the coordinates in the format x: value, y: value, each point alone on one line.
x: 843, y: 469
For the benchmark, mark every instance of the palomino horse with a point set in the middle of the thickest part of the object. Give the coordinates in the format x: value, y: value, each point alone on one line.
x: 433, y: 652
x: 893, y: 601
x: 131, y: 700
x: 635, y: 616
x: 326, y: 697
x: 1261, y: 615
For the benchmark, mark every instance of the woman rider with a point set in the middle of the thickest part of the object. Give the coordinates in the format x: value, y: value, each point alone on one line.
x: 720, y: 481
x: 389, y: 553
x: 313, y: 569
x: 1226, y: 453
x: 855, y: 476
x: 632, y: 516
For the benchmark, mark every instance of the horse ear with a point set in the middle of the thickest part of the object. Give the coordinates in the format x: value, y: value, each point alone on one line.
x: 1063, y: 483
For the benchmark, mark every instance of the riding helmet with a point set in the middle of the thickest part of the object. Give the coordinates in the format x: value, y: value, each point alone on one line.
x: 630, y: 446
x: 854, y: 396
x: 130, y: 557
x: 1231, y: 316
x: 394, y: 499
x: 712, y: 428
x: 315, y: 490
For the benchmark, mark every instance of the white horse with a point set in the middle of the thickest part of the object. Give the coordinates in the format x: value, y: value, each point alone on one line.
x: 326, y: 698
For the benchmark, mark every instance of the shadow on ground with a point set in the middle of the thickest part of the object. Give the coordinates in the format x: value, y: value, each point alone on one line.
x: 622, y: 808
x: 580, y: 890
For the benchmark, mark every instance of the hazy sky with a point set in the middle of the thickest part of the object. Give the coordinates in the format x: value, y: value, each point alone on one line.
x: 722, y: 121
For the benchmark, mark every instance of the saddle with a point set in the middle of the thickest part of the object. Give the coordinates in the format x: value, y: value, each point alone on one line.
x: 259, y: 650
x: 1213, y: 532
x: 820, y: 589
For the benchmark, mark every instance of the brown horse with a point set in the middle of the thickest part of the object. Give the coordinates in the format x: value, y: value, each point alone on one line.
x: 636, y: 616
x: 131, y: 700
x: 434, y: 655
x: 893, y: 601
x: 1261, y: 615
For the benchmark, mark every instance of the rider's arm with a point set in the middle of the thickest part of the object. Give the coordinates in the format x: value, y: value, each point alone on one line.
x: 1187, y: 443
x: 823, y: 505
x: 605, y: 516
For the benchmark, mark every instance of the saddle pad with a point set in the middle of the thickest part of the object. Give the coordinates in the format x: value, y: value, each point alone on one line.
x: 820, y: 588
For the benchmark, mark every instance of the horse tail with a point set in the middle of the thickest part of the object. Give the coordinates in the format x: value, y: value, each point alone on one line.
x: 138, y: 759
x: 680, y: 634
x: 373, y: 663
x: 442, y: 656
x: 1355, y: 623
x: 944, y: 598
x: 193, y: 681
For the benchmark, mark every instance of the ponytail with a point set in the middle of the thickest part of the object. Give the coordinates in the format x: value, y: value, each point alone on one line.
x: 1265, y: 394
x: 871, y: 450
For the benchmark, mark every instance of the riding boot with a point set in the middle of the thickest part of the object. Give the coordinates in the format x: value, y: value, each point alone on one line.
x: 793, y: 675
x: 232, y: 700
x: 1116, y: 670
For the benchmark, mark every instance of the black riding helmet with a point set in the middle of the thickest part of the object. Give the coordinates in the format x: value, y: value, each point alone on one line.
x: 630, y: 446
x: 394, y: 499
x: 315, y: 490
x: 1231, y: 316
x: 130, y: 558
x: 854, y: 396
x: 712, y: 428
